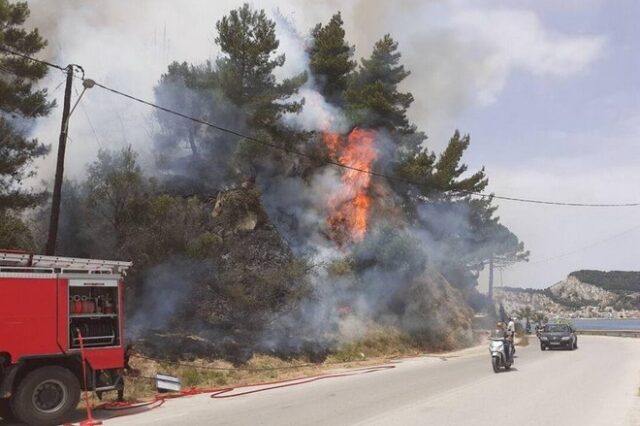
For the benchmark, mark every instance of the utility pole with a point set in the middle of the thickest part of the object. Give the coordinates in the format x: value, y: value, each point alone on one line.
x: 491, y: 278
x: 57, y: 186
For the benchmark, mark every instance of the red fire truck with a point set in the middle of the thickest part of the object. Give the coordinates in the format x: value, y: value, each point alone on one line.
x: 46, y: 304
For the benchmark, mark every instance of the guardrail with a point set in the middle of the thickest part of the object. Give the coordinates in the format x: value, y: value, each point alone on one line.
x: 612, y: 333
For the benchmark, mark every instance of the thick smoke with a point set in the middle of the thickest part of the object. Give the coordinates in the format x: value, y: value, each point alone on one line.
x: 457, y: 52
x: 166, y: 289
x: 456, y: 63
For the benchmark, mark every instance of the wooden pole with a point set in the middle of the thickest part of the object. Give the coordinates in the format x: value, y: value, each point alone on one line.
x: 57, y: 185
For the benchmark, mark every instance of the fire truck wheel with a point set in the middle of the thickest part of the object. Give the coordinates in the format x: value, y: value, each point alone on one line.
x: 46, y: 396
x: 5, y: 410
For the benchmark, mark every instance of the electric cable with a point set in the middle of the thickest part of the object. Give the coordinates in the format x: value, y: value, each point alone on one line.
x: 348, y: 167
x: 40, y: 61
x: 86, y: 114
x: 324, y: 160
x: 591, y: 245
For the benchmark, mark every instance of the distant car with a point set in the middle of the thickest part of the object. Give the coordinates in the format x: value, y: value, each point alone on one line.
x: 558, y: 336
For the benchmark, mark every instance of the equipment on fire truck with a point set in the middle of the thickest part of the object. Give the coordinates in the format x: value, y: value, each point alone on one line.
x: 46, y: 304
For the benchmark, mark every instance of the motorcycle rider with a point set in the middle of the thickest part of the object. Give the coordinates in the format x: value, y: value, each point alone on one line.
x: 511, y: 329
x: 501, y: 331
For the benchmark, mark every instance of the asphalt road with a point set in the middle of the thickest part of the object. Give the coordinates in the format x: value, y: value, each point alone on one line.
x: 597, y: 384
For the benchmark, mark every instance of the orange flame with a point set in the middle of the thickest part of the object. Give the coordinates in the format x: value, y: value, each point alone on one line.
x: 349, y: 207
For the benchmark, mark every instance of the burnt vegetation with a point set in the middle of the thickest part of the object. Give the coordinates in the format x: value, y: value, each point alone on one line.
x: 228, y: 235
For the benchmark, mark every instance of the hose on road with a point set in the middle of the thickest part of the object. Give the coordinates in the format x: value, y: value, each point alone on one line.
x: 127, y: 408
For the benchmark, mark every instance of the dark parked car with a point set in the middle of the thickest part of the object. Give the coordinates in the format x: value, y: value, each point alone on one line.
x: 558, y: 336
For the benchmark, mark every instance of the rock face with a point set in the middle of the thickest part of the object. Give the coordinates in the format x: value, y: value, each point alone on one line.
x: 573, y: 297
x: 574, y: 291
x: 514, y: 299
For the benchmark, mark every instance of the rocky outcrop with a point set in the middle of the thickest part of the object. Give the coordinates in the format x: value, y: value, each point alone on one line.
x: 516, y: 299
x: 573, y: 297
x: 573, y: 292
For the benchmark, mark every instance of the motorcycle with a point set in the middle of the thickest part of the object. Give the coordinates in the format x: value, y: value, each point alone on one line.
x: 499, y: 357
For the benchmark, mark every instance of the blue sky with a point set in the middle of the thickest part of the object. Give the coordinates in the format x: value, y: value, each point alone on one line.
x: 569, y: 138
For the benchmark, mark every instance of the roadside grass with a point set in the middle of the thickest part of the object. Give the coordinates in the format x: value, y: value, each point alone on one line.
x: 378, y: 346
x: 522, y: 339
x: 384, y: 342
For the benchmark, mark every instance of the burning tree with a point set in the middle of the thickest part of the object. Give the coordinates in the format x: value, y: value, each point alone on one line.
x: 397, y: 217
x: 349, y: 207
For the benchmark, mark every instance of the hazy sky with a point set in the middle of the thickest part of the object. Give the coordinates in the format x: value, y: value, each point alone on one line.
x: 548, y: 90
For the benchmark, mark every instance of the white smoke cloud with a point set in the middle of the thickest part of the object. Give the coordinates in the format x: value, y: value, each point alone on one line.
x: 460, y: 56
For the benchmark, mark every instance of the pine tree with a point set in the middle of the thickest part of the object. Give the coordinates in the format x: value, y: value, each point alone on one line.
x: 373, y: 97
x: 439, y: 177
x: 330, y: 59
x: 437, y: 196
x: 19, y: 101
x: 245, y: 70
x: 238, y: 91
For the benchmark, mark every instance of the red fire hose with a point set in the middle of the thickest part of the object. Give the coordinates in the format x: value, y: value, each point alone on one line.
x: 128, y: 408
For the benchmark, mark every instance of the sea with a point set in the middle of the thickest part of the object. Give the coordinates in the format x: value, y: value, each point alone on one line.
x: 606, y: 324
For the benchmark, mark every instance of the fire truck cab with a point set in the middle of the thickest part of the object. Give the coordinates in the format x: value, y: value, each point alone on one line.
x: 47, y: 305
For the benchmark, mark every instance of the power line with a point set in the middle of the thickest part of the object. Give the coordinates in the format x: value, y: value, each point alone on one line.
x: 588, y: 246
x: 325, y: 160
x: 346, y: 166
x: 86, y: 114
x: 40, y: 61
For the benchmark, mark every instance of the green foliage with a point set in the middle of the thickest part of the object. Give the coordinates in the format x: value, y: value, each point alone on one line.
x: 248, y: 42
x: 115, y: 202
x: 16, y: 160
x: 207, y: 245
x: 436, y: 196
x: 14, y: 233
x: 19, y: 102
x: 254, y: 297
x: 191, y: 377
x: 330, y: 59
x: 239, y: 88
x: 245, y: 72
x: 390, y: 249
x: 17, y: 95
x: 373, y: 98
x: 610, y: 280
x: 441, y: 177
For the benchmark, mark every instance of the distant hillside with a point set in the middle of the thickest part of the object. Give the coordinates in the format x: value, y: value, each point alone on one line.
x: 585, y: 293
x: 610, y: 280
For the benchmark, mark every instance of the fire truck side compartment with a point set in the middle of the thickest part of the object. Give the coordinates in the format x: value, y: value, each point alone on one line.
x: 29, y: 314
x: 36, y: 322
